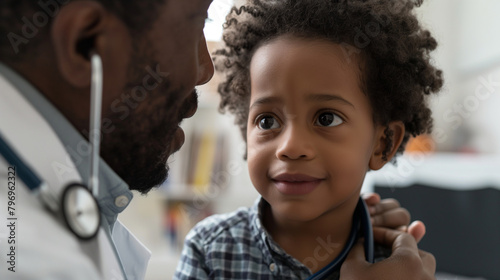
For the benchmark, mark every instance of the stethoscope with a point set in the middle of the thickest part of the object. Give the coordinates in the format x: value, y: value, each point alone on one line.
x: 366, y: 228
x: 77, y: 204
x: 362, y: 226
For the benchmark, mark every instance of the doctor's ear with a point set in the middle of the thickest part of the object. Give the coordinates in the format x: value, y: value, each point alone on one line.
x: 74, y: 32
x: 386, y: 144
x: 82, y: 27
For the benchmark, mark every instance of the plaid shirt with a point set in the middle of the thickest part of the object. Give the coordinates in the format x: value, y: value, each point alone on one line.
x: 237, y: 246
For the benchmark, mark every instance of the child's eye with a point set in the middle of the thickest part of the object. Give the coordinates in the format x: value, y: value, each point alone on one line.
x: 268, y: 122
x: 329, y: 119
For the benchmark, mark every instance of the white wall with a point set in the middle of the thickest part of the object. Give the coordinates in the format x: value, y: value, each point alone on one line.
x: 465, y: 112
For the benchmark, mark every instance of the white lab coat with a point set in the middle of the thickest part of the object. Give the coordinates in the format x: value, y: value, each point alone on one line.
x: 44, y: 246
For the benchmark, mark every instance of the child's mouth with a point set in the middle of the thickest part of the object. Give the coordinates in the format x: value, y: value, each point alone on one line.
x: 296, y: 184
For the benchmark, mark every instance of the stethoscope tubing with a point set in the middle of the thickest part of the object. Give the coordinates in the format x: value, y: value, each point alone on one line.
x: 95, y: 121
x: 366, y: 227
x: 24, y: 172
x: 361, y: 222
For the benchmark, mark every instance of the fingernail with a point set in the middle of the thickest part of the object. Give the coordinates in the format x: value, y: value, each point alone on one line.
x: 372, y: 209
x: 372, y: 220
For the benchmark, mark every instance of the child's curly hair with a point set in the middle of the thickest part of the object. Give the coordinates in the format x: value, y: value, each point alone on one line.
x: 396, y: 73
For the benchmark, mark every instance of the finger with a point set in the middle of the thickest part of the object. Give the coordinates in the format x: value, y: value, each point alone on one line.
x: 402, y: 228
x: 371, y: 198
x: 392, y: 218
x: 386, y: 205
x: 355, y: 262
x: 398, y: 240
x: 417, y: 230
x: 357, y: 255
x: 428, y: 262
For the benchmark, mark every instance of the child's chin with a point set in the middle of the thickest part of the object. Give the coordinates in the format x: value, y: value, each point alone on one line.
x: 298, y: 213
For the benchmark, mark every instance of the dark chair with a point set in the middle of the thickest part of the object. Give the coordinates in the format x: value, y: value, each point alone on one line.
x: 463, y: 226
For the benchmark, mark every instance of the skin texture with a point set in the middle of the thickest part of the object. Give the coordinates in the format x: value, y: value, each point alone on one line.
x: 148, y: 81
x: 296, y: 86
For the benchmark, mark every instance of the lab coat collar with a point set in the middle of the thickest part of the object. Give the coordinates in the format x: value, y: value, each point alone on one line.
x: 114, y: 194
x: 36, y: 143
x: 134, y: 258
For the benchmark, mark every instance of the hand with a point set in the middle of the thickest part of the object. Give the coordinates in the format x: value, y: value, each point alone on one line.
x: 405, y: 262
x: 388, y: 213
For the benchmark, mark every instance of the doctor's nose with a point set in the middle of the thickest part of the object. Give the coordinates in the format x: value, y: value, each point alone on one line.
x: 206, y: 66
x: 295, y: 144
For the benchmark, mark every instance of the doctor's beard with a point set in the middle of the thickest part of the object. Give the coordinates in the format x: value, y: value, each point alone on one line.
x: 139, y: 146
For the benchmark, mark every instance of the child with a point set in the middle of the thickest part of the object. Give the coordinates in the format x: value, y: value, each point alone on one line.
x: 323, y: 91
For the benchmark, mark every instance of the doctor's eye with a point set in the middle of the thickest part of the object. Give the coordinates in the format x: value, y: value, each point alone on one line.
x: 267, y: 122
x: 329, y: 119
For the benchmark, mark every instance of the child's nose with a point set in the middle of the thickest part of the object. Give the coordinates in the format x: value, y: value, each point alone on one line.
x: 295, y: 143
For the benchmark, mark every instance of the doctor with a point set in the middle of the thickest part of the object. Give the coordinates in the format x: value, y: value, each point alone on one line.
x: 152, y: 54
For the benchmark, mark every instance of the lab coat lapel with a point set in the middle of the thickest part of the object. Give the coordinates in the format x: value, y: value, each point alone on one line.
x: 134, y: 257
x: 37, y: 144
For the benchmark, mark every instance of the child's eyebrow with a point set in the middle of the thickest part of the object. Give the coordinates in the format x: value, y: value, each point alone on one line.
x: 317, y: 97
x: 321, y: 97
x: 266, y: 100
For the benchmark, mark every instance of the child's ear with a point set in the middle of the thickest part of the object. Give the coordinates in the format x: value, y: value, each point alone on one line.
x: 397, y: 132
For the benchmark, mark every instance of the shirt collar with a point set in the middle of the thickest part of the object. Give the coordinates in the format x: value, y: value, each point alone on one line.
x: 272, y: 251
x: 271, y: 248
x: 114, y: 194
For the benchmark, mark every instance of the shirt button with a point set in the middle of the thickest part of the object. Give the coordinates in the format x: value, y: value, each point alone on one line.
x: 121, y: 201
x: 272, y: 267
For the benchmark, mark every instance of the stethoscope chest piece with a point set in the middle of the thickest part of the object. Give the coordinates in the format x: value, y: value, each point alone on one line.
x: 78, y: 204
x: 80, y: 211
